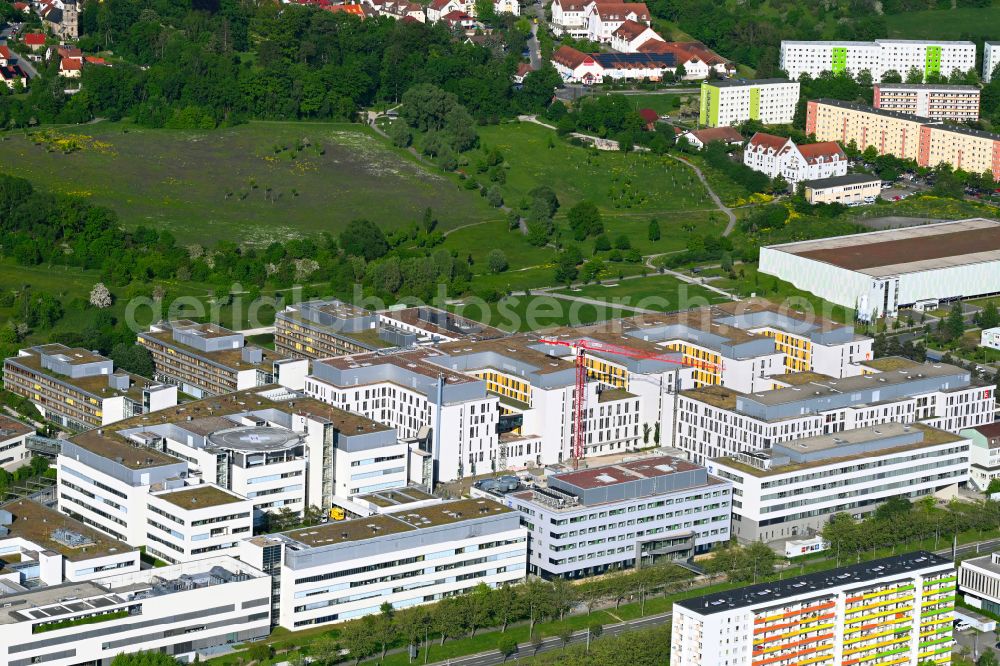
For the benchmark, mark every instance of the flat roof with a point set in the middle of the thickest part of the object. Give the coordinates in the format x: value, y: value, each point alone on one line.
x: 626, y: 472
x: 96, y: 385
x: 737, y: 83
x: 924, y: 86
x: 37, y: 523
x: 199, y: 497
x: 907, y: 250
x: 864, y: 108
x: 836, y: 181
x: 453, y: 325
x: 417, y: 361
x: 714, y: 395
x: 10, y: 428
x: 230, y: 358
x: 764, y: 594
x: 397, y: 497
x: 345, y: 531
x: 113, y: 447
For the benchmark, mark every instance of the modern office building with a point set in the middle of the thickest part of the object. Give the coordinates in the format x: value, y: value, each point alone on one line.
x: 896, y: 610
x: 792, y: 488
x: 206, y: 360
x: 195, y: 522
x: 81, y: 389
x: 779, y: 156
x: 347, y: 569
x: 433, y: 325
x: 317, y: 329
x: 934, y: 101
x: 586, y: 522
x: 854, y: 188
x: 990, y: 337
x: 979, y: 582
x: 178, y: 610
x: 925, y: 141
x: 984, y: 454
x: 716, y: 422
x: 40, y: 546
x: 13, y: 443
x: 880, y: 272
x: 991, y: 58
x: 733, y: 101
x: 877, y: 58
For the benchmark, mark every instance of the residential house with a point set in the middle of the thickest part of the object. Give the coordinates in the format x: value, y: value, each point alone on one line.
x: 570, y: 17
x: 522, y: 71
x: 604, y: 17
x: 630, y: 35
x: 577, y: 67
x: 70, y: 68
x: 775, y: 155
x: 701, y: 138
x: 698, y: 60
x: 506, y: 7
x: 354, y: 10
x: 459, y: 20
x: 35, y: 41
x: 7, y: 57
x: 438, y: 8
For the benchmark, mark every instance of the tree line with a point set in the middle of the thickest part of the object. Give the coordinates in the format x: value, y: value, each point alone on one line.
x: 219, y: 62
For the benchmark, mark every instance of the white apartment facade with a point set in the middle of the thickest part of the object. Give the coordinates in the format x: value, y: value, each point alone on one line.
x: 733, y: 101
x: 569, y: 17
x: 991, y: 58
x: 984, y: 454
x: 348, y: 569
x: 715, y: 422
x: 586, y: 522
x: 779, y: 156
x: 13, y: 443
x: 825, y: 617
x: 937, y: 102
x: 792, y: 489
x: 877, y: 57
x: 196, y: 522
x: 178, y: 610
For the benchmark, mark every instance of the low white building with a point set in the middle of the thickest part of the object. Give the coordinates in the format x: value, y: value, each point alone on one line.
x: 984, y: 454
x: 979, y: 582
x: 179, y: 610
x: 879, y: 272
x: 629, y: 515
x: 779, y: 156
x: 13, y: 443
x: 716, y: 422
x: 631, y: 35
x: 347, y: 569
x: 195, y: 522
x: 854, y: 188
x: 40, y: 546
x: 793, y: 488
x: 990, y: 337
x: 701, y: 138
x: 898, y: 607
x: 569, y: 17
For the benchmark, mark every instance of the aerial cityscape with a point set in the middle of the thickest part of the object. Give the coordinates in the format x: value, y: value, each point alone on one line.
x: 475, y: 332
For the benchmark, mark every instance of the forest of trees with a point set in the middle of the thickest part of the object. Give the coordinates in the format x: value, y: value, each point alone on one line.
x: 212, y: 62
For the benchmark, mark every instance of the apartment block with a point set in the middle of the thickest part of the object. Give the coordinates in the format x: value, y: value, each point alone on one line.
x: 779, y: 156
x: 733, y: 101
x: 895, y: 610
x: 716, y: 422
x: 195, y: 522
x: 984, y: 454
x: 793, y: 488
x: 317, y: 329
x: 927, y: 142
x: 346, y: 569
x: 40, y: 546
x: 205, y: 360
x: 13, y: 443
x: 852, y: 188
x: 81, y: 389
x: 877, y: 58
x: 586, y: 522
x: 434, y: 325
x: 178, y: 610
x: 937, y: 102
x: 991, y: 58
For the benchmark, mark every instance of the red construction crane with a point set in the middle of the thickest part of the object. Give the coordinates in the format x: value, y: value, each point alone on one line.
x: 579, y: 347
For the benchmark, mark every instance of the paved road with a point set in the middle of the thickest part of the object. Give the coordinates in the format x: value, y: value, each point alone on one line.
x: 534, y: 48
x: 25, y: 64
x: 493, y: 657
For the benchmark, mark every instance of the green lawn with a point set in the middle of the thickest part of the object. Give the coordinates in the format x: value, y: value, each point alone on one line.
x: 964, y: 23
x: 245, y: 183
x: 616, y: 182
x: 663, y: 293
x: 662, y: 104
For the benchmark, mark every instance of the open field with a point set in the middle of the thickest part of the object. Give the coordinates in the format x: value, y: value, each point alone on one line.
x: 662, y: 104
x: 246, y: 183
x: 664, y: 293
x: 616, y: 182
x: 962, y: 23
x: 537, y: 311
